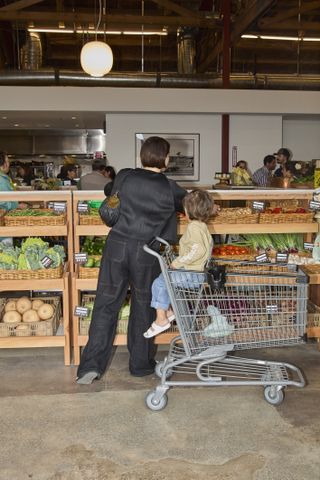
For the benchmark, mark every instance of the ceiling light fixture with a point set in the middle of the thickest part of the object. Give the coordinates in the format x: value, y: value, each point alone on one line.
x: 50, y: 30
x: 290, y: 39
x: 108, y: 32
x: 96, y: 57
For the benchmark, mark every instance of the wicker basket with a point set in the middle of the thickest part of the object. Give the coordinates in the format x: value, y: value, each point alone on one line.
x: 313, y: 321
x: 42, y: 274
x: 87, y: 272
x: 36, y: 329
x: 2, y: 213
x: 286, y: 217
x: 311, y: 268
x: 234, y: 215
x: 29, y: 221
x: 84, y: 323
x: 85, y: 219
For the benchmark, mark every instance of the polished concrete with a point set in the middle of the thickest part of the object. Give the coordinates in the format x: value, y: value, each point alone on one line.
x: 54, y: 429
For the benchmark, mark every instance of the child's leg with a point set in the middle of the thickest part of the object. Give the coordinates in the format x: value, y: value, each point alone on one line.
x: 161, y: 302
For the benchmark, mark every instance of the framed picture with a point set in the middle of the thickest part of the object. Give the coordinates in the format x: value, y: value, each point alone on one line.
x: 184, y: 161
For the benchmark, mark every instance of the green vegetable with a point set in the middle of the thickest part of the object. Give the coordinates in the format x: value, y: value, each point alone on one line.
x: 89, y: 263
x: 8, y: 261
x: 30, y: 242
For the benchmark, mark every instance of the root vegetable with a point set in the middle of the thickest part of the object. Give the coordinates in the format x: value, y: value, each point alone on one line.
x: 23, y: 304
x: 11, y: 305
x: 11, y: 317
x: 46, y: 311
x: 36, y: 304
x: 30, y: 316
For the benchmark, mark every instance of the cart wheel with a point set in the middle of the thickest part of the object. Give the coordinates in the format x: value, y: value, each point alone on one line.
x: 273, y: 396
x: 158, y: 405
x: 159, y: 370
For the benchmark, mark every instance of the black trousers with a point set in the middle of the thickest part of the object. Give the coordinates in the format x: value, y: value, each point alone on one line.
x: 124, y: 263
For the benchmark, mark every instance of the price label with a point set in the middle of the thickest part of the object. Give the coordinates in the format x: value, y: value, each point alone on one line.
x: 83, y: 207
x: 46, y: 262
x: 308, y: 246
x: 67, y: 183
x: 262, y: 258
x: 80, y: 257
x: 272, y: 308
x: 258, y: 206
x: 81, y: 311
x: 282, y: 258
x: 59, y: 206
x: 314, y: 205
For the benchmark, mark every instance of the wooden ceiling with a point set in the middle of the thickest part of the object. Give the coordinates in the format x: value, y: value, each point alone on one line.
x: 203, y: 18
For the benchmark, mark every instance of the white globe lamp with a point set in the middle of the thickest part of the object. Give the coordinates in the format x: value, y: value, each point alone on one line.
x: 96, y: 58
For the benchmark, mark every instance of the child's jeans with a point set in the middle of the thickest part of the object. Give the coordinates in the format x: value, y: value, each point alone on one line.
x: 160, y: 296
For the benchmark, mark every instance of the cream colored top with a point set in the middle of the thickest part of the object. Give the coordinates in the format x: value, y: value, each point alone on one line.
x: 194, y: 247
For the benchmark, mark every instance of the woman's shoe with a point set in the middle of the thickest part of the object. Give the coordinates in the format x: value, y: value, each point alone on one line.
x: 155, y: 329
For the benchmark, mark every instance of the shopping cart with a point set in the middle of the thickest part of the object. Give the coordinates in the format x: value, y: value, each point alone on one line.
x: 252, y: 310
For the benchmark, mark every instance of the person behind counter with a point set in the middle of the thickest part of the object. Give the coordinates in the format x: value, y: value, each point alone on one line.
x: 263, y: 175
x: 109, y: 173
x: 149, y: 202
x: 283, y: 159
x: 240, y: 174
x: 96, y: 180
x: 68, y: 174
x: 24, y: 172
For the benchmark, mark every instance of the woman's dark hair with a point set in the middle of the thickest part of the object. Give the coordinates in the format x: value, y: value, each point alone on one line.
x: 154, y: 152
x: 26, y: 168
x: 241, y: 161
x: 64, y: 170
x: 3, y: 157
x: 111, y: 171
x: 198, y: 205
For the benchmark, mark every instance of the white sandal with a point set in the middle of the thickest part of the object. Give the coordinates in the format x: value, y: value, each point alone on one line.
x: 156, y: 329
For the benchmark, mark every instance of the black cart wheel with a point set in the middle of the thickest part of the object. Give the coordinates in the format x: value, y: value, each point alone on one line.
x: 273, y: 396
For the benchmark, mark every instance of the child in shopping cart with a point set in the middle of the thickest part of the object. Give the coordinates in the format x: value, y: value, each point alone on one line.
x: 195, y: 249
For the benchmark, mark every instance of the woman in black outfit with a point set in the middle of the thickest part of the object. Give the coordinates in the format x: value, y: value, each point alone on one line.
x: 149, y: 202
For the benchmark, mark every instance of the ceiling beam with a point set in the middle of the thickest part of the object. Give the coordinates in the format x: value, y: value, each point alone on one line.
x: 173, y: 7
x: 289, y: 13
x: 251, y: 13
x: 289, y: 25
x: 79, y: 17
x: 19, y: 5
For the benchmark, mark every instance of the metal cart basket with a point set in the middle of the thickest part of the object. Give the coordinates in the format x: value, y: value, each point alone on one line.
x: 252, y: 310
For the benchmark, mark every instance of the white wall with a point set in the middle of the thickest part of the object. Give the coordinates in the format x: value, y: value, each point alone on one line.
x: 121, y: 130
x: 255, y: 136
x: 302, y: 137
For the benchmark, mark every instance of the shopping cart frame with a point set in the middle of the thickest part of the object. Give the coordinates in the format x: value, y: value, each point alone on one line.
x: 214, y: 366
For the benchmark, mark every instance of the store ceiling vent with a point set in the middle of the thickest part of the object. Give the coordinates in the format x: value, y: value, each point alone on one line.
x: 31, y: 52
x: 186, y: 51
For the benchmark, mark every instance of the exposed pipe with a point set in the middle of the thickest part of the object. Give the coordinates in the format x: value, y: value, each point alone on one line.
x: 31, y: 52
x: 154, y: 80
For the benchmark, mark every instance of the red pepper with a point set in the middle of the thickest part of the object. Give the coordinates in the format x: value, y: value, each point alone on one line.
x: 277, y: 210
x: 301, y: 210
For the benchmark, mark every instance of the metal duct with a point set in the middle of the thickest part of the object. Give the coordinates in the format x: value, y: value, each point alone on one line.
x: 163, y: 80
x: 186, y: 46
x: 31, y: 52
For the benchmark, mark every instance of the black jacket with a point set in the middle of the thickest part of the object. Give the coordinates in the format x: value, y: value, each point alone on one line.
x: 149, y: 202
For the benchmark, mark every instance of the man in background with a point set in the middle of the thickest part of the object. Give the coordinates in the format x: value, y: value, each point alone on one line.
x: 97, y: 179
x: 283, y: 159
x: 263, y: 175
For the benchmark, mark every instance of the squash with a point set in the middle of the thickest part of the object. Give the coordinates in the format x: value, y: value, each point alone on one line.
x: 11, y: 317
x: 23, y: 304
x: 36, y: 304
x: 30, y: 316
x: 11, y: 305
x: 46, y: 311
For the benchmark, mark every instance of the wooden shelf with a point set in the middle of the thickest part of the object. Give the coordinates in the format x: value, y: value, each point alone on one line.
x: 35, y: 231
x: 32, y: 342
x: 48, y: 284
x: 121, y: 339
x: 83, y: 230
x: 86, y: 284
x: 238, y: 228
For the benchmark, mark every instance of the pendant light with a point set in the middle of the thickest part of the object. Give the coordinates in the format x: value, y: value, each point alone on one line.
x: 96, y: 57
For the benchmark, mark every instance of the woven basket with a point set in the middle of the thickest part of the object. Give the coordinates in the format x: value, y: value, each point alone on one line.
x: 29, y: 221
x: 90, y: 219
x: 311, y: 268
x: 313, y: 320
x: 36, y: 329
x: 42, y: 274
x: 84, y: 323
x: 87, y: 272
x: 286, y: 217
x: 234, y: 215
x: 2, y: 213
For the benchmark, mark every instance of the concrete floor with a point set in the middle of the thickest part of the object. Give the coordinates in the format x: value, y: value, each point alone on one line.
x: 53, y: 429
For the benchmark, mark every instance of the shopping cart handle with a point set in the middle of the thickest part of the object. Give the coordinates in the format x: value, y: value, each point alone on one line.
x: 147, y: 247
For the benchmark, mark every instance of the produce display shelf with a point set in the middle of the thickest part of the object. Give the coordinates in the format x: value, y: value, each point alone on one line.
x: 49, y: 284
x: 32, y: 342
x: 86, y: 283
x: 35, y: 231
x: 263, y: 194
x: 229, y: 228
x: 121, y: 339
x: 83, y: 230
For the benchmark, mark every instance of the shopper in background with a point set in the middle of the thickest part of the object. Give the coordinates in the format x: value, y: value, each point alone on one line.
x: 240, y: 174
x: 109, y: 173
x: 24, y: 171
x: 68, y: 174
x: 195, y: 247
x: 262, y: 177
x: 96, y: 180
x: 283, y: 159
x: 149, y: 202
